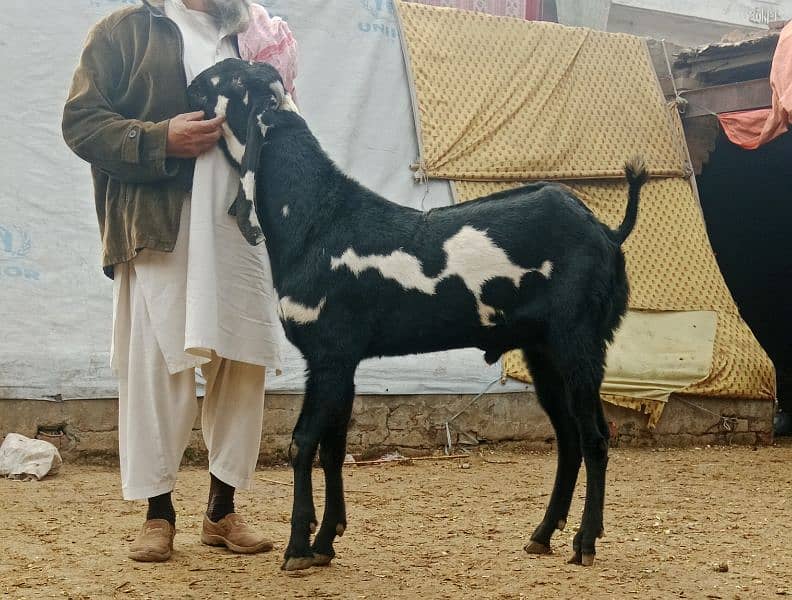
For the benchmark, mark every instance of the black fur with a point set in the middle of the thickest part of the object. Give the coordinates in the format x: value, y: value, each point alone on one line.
x: 562, y: 323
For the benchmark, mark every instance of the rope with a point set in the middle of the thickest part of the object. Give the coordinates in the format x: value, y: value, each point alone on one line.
x: 447, y: 424
x: 680, y: 101
x: 728, y: 423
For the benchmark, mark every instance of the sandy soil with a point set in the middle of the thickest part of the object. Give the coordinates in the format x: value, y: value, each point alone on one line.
x: 441, y: 529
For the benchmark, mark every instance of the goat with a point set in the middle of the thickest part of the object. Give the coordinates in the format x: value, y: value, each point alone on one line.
x: 358, y: 276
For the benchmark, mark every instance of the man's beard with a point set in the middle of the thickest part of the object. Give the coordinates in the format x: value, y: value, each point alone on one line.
x: 230, y: 15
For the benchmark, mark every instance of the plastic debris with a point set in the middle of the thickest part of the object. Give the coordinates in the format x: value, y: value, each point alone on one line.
x: 27, y: 459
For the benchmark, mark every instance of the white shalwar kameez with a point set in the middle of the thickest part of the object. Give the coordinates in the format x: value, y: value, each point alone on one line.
x: 210, y: 304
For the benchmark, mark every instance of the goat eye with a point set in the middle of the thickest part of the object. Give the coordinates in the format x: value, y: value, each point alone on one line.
x: 273, y: 103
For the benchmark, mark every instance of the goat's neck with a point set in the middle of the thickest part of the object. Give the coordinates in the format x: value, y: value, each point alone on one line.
x: 298, y: 196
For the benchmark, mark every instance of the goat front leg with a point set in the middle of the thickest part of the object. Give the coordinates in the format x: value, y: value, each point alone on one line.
x: 305, y: 440
x: 337, y: 408
x: 298, y: 553
x: 324, y: 417
x: 332, y: 451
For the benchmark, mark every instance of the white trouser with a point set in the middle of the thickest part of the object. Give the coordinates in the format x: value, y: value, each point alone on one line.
x: 157, y: 410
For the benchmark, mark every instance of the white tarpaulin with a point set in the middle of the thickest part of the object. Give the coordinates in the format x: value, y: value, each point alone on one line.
x: 55, y: 304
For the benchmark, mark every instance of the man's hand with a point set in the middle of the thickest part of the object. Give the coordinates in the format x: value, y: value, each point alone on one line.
x: 189, y: 135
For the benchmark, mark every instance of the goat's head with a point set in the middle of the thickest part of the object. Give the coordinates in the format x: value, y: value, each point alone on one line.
x: 242, y: 92
x: 238, y: 90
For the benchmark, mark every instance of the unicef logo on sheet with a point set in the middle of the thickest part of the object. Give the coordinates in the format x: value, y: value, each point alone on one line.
x: 15, y: 246
x: 381, y: 18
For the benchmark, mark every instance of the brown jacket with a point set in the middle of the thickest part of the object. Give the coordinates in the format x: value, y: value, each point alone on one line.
x: 130, y: 81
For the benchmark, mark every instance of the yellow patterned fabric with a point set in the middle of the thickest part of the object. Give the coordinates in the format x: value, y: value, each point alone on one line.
x: 502, y: 100
x: 490, y: 91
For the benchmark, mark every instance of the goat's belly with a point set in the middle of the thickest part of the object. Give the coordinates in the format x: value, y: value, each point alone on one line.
x: 417, y: 325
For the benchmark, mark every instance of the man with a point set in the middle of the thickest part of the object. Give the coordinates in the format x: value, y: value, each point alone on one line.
x: 189, y: 292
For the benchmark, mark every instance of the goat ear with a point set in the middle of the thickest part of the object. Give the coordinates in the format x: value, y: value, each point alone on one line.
x: 244, y: 207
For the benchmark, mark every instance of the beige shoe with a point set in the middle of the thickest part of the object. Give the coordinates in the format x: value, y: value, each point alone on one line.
x: 154, y: 543
x: 232, y: 532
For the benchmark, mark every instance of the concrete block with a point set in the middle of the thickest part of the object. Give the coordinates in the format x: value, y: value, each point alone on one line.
x: 412, y: 424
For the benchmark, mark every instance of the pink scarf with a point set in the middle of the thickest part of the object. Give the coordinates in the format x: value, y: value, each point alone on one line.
x: 269, y: 39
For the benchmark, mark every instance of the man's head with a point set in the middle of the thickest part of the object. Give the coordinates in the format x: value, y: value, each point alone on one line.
x: 232, y: 16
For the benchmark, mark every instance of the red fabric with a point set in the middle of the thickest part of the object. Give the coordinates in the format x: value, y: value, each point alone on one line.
x: 751, y: 128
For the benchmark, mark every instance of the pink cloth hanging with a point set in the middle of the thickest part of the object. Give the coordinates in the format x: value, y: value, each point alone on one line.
x: 750, y: 129
x: 269, y: 39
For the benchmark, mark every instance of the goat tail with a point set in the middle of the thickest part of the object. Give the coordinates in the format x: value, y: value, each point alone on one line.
x: 635, y: 170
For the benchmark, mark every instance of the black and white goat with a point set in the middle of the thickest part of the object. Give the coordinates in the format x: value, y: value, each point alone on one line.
x: 359, y: 276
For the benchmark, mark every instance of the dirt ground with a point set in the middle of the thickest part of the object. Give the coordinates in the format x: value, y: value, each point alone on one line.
x: 430, y: 529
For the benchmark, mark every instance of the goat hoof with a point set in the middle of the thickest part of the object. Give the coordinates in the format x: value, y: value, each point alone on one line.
x: 537, y: 548
x: 297, y: 563
x: 585, y: 560
x: 321, y: 560
x: 561, y: 525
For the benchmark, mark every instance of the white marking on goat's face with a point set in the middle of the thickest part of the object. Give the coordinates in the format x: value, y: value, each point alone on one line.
x: 246, y: 99
x: 284, y: 100
x: 249, y: 187
x: 235, y: 147
x: 285, y: 210
x: 288, y: 104
x: 280, y: 92
x: 471, y: 255
x: 291, y: 310
x: 222, y: 106
x: 215, y: 80
x: 264, y: 128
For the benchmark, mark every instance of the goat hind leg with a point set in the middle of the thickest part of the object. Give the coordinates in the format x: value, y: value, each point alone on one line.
x: 554, y: 399
x: 594, y: 445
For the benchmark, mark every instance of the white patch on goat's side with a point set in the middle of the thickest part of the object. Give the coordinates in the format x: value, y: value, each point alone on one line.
x: 249, y: 187
x: 291, y: 310
x: 471, y: 255
x: 215, y: 80
x: 285, y: 210
x: 398, y: 265
x: 546, y: 269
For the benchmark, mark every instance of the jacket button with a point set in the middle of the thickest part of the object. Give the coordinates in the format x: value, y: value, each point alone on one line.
x: 133, y: 133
